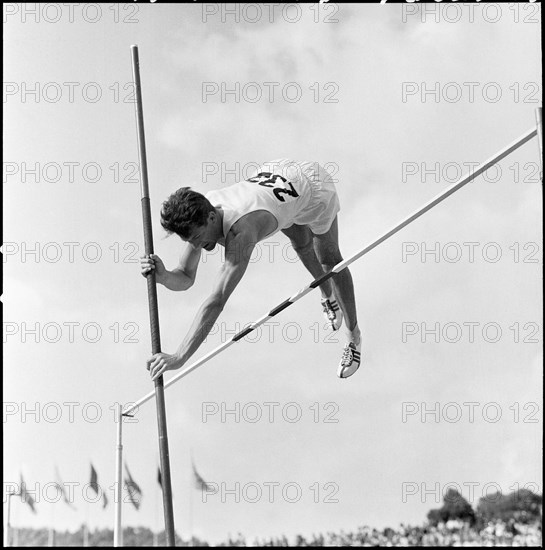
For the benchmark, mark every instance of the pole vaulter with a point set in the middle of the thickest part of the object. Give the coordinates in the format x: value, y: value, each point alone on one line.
x: 345, y: 263
x: 131, y: 409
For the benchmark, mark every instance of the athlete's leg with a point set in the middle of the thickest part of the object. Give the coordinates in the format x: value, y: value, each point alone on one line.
x: 327, y: 250
x: 301, y: 240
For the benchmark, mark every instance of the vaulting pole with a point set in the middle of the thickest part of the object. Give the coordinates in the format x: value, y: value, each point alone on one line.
x: 153, y: 308
x: 345, y: 263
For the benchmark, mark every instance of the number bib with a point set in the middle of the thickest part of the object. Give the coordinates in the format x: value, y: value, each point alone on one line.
x: 276, y: 183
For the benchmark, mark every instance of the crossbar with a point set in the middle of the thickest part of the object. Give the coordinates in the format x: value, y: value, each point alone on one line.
x: 129, y: 411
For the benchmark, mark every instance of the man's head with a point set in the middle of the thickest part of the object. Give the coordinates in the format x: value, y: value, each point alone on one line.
x: 191, y: 216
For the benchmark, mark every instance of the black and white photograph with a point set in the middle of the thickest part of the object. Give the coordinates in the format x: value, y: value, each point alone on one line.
x: 272, y: 274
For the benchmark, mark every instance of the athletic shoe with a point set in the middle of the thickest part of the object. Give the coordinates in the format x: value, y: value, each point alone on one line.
x: 350, y: 361
x: 332, y: 313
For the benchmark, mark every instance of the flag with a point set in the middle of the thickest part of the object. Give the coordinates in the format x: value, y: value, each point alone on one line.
x: 135, y: 493
x: 199, y: 482
x: 160, y: 479
x: 60, y: 485
x: 25, y: 496
x: 94, y: 480
x: 96, y: 487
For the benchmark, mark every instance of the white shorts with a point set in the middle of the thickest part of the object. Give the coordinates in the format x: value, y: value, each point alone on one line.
x: 320, y: 202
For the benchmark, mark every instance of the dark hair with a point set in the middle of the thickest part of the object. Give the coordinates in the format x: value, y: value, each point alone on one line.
x: 183, y: 210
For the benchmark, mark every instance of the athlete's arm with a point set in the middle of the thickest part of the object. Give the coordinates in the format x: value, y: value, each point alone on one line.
x: 238, y: 251
x: 181, y: 277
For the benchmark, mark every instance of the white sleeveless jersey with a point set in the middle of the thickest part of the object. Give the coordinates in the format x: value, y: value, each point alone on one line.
x: 280, y: 188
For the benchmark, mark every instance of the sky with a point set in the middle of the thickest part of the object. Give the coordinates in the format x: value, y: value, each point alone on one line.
x: 397, y: 101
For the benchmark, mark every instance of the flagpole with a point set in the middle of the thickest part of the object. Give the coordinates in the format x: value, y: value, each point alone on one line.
x: 51, y: 535
x: 155, y: 527
x: 191, y: 489
x: 118, y: 529
x: 8, y: 522
x: 15, y: 528
x: 191, y: 515
x: 86, y: 525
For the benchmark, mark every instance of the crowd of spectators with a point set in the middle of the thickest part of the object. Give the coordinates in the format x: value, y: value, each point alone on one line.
x: 451, y: 533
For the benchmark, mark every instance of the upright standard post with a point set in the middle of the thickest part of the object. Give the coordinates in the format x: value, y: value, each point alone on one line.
x: 153, y: 309
x: 539, y: 112
x: 118, y: 530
